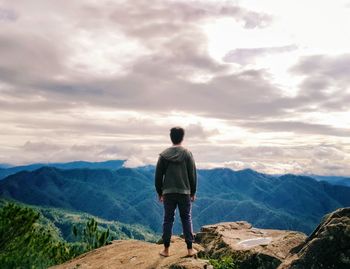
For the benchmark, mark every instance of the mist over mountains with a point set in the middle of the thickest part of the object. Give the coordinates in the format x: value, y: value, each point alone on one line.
x: 127, y: 195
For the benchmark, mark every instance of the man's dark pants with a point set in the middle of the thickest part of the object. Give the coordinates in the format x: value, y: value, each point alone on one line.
x: 183, y: 202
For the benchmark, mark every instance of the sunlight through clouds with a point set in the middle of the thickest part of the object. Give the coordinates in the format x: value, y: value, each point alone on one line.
x: 104, y: 53
x: 256, y: 84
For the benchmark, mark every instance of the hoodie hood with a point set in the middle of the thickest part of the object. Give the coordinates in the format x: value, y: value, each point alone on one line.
x: 175, y: 154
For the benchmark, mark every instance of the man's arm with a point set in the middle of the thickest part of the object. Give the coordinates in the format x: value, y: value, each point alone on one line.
x: 158, y: 180
x: 192, y: 174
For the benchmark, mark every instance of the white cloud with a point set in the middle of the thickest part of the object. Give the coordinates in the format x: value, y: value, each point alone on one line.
x: 108, y: 79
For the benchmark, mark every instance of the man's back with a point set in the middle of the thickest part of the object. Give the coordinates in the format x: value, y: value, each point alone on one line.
x: 176, y: 171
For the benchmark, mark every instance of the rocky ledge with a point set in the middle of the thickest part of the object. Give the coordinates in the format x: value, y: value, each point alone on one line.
x: 135, y: 254
x: 327, y: 247
x: 250, y: 247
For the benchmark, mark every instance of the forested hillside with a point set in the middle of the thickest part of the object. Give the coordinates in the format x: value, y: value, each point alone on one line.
x: 127, y: 195
x: 37, y: 237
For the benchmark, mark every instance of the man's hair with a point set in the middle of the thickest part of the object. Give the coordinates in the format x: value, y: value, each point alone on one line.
x: 177, y: 135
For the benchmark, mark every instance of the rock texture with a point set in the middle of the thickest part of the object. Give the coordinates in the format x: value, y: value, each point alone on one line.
x: 122, y: 254
x: 327, y: 247
x: 251, y: 247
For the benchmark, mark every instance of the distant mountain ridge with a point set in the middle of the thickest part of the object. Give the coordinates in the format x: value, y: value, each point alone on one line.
x: 7, y: 169
x: 5, y: 165
x: 334, y: 180
x: 127, y: 195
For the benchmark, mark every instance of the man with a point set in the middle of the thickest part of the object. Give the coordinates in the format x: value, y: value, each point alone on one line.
x: 176, y: 182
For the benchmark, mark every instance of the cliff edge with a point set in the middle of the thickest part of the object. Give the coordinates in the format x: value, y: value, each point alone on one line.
x: 135, y: 254
x: 251, y: 248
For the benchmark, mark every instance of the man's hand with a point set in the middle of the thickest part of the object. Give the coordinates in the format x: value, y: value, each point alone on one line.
x: 160, y: 198
x: 193, y: 198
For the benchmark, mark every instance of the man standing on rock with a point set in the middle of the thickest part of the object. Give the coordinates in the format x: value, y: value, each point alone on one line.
x: 176, y: 182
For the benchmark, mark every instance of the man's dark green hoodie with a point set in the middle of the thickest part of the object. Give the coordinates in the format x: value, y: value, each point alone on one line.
x: 176, y: 172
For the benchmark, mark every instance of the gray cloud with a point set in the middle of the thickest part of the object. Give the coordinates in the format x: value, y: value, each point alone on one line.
x: 318, y: 158
x: 334, y: 67
x: 141, y: 19
x: 245, y: 56
x: 44, y: 94
x: 129, y: 128
x: 198, y: 131
x: 224, y: 96
x: 297, y: 127
x: 52, y: 152
x: 40, y: 146
x: 325, y: 81
x: 156, y: 81
x: 8, y: 15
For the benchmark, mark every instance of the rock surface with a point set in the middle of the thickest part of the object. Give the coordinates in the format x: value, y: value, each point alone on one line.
x: 327, y: 247
x: 251, y: 247
x: 136, y: 255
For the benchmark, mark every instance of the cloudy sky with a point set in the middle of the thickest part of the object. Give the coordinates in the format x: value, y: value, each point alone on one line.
x: 259, y: 84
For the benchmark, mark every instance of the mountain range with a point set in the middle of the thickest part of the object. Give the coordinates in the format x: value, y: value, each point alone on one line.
x: 7, y: 169
x: 127, y: 195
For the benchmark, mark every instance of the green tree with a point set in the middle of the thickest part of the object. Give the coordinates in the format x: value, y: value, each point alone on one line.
x: 92, y: 236
x: 25, y: 243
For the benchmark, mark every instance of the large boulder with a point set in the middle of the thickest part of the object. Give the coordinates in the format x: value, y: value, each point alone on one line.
x: 327, y: 247
x: 250, y: 247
